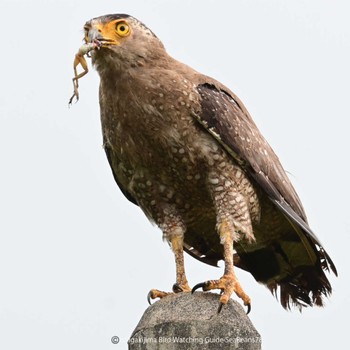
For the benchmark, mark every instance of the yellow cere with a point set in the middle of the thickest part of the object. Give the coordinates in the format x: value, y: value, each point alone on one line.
x: 113, y: 31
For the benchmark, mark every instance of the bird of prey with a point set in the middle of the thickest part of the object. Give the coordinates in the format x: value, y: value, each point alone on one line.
x: 183, y: 147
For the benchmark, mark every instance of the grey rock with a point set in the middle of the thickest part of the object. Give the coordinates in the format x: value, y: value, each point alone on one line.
x: 190, y: 321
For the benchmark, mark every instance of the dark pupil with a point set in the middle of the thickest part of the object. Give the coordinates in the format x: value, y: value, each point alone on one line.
x: 122, y: 28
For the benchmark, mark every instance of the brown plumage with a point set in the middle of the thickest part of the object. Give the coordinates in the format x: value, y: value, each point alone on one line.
x: 183, y: 147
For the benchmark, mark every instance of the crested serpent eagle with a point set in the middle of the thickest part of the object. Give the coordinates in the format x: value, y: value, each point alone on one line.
x: 183, y: 147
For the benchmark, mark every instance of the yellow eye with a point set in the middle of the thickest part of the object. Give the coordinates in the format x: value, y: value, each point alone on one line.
x: 122, y: 29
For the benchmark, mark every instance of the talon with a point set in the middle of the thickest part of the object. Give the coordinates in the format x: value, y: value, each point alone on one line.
x: 220, y: 307
x: 177, y: 288
x: 181, y: 287
x: 149, y: 297
x: 227, y: 284
x: 154, y: 294
x: 248, y: 308
x: 197, y: 286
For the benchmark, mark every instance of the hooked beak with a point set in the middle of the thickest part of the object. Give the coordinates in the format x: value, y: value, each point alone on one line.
x: 93, y: 35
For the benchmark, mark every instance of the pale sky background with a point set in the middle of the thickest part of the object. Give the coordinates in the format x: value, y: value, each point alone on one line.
x: 68, y: 279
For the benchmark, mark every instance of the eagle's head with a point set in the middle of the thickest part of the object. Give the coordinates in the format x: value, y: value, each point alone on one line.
x: 122, y: 42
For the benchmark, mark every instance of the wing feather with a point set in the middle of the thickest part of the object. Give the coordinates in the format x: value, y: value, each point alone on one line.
x: 227, y: 120
x: 231, y: 124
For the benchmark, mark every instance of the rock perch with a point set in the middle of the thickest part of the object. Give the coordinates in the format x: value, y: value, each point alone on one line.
x: 190, y: 321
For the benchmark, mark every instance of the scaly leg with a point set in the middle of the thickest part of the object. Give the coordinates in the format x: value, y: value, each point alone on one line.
x: 228, y: 283
x: 181, y: 284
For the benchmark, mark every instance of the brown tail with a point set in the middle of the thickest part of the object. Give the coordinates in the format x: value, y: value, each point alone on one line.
x: 293, y: 270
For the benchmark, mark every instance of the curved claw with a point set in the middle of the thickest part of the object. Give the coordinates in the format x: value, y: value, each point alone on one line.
x: 197, y: 286
x: 220, y: 307
x: 154, y: 294
x: 149, y: 297
x: 249, y: 307
x: 177, y: 288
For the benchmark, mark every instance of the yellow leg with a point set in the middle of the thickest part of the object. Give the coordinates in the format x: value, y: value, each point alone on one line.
x: 228, y: 283
x: 181, y: 284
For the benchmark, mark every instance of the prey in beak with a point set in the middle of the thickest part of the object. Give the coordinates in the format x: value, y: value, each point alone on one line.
x: 97, y: 34
x: 79, y: 59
